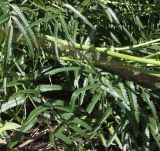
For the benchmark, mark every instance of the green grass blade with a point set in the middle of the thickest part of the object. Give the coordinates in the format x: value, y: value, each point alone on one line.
x: 79, y: 15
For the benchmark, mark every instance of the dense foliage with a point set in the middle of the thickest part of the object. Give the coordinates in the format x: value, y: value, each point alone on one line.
x: 85, y: 71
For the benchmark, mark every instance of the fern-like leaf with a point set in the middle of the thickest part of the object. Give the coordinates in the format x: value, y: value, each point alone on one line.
x: 12, y: 103
x: 46, y: 88
x: 80, y: 15
x: 22, y: 29
x: 133, y: 100
x: 78, y: 92
x: 25, y: 22
x: 151, y: 105
x: 58, y: 70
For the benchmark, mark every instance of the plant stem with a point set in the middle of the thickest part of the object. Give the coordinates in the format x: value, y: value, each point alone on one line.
x: 103, y: 49
x: 133, y: 58
x: 110, y: 52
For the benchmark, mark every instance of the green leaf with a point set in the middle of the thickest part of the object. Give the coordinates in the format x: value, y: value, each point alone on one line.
x: 107, y: 113
x: 32, y: 118
x: 9, y: 44
x: 53, y: 141
x: 118, y: 130
x: 61, y: 136
x: 109, y: 10
x: 9, y: 126
x: 78, y: 92
x: 25, y: 22
x: 81, y: 122
x: 79, y: 130
x: 79, y: 15
x: 154, y: 130
x: 24, y: 32
x: 46, y: 88
x: 115, y: 38
x: 103, y: 139
x: 29, y: 123
x: 4, y: 18
x: 12, y: 102
x: 133, y: 101
x: 65, y: 29
x: 112, y: 131
x: 151, y: 105
x: 59, y: 70
x: 93, y: 102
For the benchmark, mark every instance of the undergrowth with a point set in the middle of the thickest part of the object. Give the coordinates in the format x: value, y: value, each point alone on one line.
x: 89, y: 69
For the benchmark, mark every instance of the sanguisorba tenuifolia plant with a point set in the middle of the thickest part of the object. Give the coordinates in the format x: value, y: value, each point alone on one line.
x: 90, y: 69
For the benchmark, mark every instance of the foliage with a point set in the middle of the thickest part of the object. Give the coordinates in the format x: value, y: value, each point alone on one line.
x: 89, y: 68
